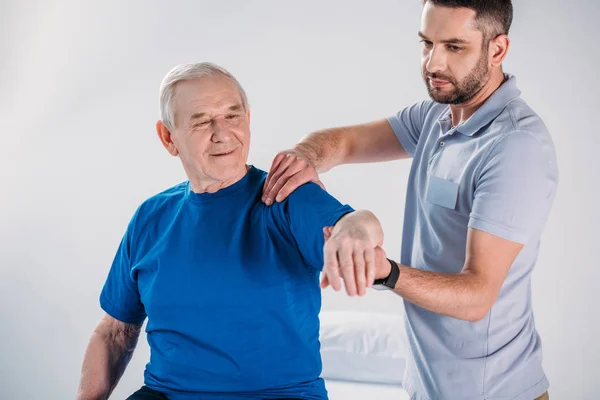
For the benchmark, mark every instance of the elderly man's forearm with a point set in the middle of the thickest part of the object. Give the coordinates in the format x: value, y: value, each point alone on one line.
x: 103, y: 365
x: 95, y: 378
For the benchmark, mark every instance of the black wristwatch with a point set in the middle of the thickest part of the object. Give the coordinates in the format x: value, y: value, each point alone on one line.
x: 388, y: 283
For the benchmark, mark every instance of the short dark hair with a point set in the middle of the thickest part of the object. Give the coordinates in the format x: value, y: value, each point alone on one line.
x: 493, y: 17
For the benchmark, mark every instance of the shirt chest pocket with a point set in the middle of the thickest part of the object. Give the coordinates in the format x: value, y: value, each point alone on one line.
x: 442, y: 192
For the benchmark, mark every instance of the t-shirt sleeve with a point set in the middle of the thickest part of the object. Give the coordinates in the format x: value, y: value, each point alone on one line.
x: 310, y: 208
x: 120, y: 297
x: 516, y: 188
x: 408, y: 125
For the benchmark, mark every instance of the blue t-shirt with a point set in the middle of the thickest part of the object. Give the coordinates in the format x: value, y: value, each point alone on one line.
x: 230, y: 288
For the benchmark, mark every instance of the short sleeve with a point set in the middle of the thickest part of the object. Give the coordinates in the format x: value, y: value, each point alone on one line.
x: 516, y: 188
x: 309, y: 209
x: 408, y: 125
x: 120, y: 297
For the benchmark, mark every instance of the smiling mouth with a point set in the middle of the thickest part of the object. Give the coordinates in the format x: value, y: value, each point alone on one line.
x: 223, y: 153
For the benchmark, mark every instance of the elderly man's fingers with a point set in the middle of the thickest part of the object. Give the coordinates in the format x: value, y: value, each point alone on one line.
x: 358, y: 256
x: 331, y: 267
x: 324, y: 281
x: 370, y: 266
x: 327, y: 232
x: 347, y: 268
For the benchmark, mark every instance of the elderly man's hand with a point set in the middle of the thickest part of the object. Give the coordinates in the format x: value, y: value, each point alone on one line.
x: 290, y: 169
x: 349, y: 255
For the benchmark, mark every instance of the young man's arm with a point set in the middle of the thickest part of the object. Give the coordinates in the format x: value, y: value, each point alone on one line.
x: 107, y: 355
x: 468, y: 295
x: 320, y: 151
x: 512, y: 200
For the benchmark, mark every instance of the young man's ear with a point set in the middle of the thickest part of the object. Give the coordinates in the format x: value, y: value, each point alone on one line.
x: 498, y: 48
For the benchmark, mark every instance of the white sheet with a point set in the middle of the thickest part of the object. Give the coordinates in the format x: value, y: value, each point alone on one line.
x: 363, y: 347
x: 341, y: 390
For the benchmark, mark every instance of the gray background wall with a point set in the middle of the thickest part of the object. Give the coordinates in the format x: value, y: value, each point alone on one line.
x: 78, y: 103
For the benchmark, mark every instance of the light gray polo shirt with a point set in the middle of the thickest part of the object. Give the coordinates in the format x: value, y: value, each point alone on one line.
x: 496, y: 172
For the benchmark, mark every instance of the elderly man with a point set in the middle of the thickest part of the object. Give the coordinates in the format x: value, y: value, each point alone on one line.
x: 230, y: 286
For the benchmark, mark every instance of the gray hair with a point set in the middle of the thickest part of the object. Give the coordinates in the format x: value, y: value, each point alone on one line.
x: 185, y: 72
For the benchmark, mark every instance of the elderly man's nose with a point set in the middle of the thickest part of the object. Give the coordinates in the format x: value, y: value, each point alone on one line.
x: 221, y: 134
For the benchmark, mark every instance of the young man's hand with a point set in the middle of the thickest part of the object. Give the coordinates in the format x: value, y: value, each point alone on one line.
x: 289, y: 170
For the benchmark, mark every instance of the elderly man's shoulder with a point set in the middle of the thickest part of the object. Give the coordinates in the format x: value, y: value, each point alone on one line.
x: 174, y: 193
x: 307, y: 191
x: 311, y: 196
x: 163, y: 200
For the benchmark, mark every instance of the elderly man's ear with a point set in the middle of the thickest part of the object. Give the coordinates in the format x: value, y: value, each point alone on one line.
x: 165, y: 137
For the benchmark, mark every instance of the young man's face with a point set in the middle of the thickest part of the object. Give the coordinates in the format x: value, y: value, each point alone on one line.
x: 455, y: 63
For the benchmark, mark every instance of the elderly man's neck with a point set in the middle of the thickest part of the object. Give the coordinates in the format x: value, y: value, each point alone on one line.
x: 207, y: 185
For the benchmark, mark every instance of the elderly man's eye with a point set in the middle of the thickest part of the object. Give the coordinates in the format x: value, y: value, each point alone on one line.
x: 232, y: 116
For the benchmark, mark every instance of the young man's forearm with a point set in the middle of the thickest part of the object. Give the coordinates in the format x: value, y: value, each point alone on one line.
x: 463, y: 296
x: 375, y: 141
x: 106, y: 358
x: 324, y: 149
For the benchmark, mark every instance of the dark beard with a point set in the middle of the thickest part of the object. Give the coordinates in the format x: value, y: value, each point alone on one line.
x: 466, y: 89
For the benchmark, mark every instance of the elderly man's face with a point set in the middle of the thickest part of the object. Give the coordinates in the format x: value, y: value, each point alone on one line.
x: 212, y: 133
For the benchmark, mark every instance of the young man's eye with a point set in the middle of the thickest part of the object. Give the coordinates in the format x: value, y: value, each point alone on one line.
x: 426, y: 43
x: 454, y: 48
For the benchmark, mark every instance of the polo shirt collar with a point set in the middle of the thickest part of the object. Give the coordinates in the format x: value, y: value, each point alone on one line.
x: 492, y: 107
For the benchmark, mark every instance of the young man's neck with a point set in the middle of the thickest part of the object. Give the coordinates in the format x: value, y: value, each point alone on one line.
x: 462, y: 112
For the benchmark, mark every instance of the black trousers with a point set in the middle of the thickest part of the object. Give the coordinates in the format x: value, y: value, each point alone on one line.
x: 145, y: 393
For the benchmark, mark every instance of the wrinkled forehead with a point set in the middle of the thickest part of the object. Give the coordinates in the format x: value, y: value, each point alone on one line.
x: 440, y: 23
x: 214, y: 94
